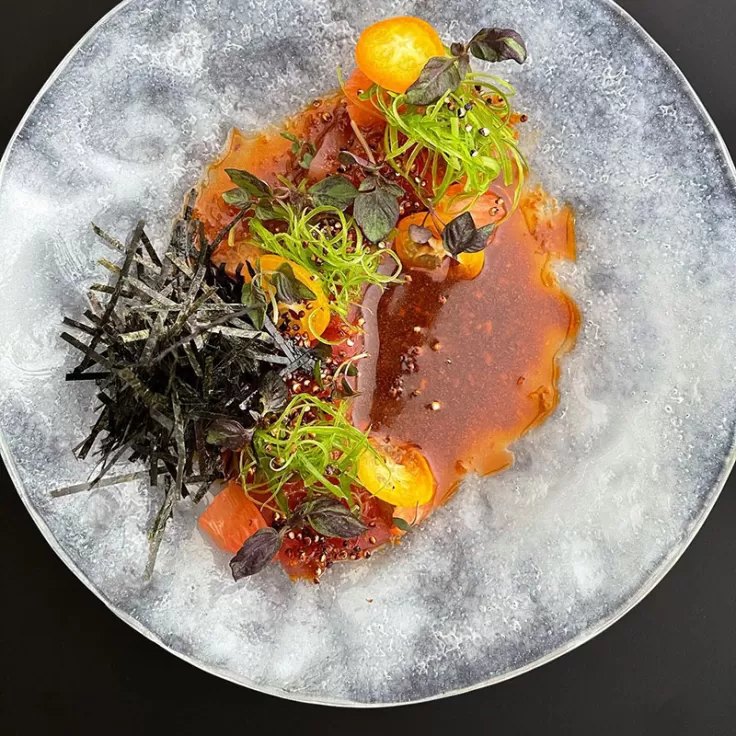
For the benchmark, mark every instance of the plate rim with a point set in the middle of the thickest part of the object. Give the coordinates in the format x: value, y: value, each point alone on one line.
x: 665, y: 566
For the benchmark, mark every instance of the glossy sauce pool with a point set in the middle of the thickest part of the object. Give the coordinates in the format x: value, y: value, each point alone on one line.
x: 483, y: 352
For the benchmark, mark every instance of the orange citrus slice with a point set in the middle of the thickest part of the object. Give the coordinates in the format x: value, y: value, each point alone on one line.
x: 393, y: 52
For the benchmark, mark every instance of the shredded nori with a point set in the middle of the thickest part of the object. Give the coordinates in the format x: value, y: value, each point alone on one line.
x: 173, y: 351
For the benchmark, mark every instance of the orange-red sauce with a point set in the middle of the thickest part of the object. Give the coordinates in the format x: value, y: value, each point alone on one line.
x: 484, y: 350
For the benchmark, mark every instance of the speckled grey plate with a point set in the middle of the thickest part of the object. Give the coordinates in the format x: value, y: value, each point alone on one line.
x: 520, y: 567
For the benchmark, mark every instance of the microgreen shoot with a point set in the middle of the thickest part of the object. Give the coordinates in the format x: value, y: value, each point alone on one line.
x: 326, y: 242
x: 304, y: 151
x: 466, y: 136
x: 312, y: 441
x: 460, y: 120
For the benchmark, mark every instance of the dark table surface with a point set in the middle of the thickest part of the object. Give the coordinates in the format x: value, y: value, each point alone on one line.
x: 71, y: 667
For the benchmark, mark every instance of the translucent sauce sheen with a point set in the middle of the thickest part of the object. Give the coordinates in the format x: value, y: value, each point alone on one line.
x: 498, y: 336
x: 485, y: 350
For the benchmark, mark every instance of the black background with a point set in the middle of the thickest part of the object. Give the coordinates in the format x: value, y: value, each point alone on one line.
x: 70, y: 666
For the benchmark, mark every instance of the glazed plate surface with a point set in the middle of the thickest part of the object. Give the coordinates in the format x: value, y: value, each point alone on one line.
x: 519, y: 567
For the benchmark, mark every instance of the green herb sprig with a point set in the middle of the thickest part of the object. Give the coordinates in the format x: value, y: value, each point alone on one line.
x: 466, y: 137
x: 457, y: 120
x: 304, y: 151
x: 312, y: 441
x: 326, y: 242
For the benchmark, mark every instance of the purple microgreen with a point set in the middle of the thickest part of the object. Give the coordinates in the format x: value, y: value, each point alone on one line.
x: 265, y: 211
x: 229, y: 434
x: 402, y: 524
x: 498, y: 44
x: 439, y: 76
x: 462, y: 236
x: 257, y: 551
x: 274, y: 394
x: 330, y: 517
x: 458, y: 49
x: 249, y: 182
x: 289, y: 290
x: 238, y: 198
x: 334, y: 191
x: 376, y: 208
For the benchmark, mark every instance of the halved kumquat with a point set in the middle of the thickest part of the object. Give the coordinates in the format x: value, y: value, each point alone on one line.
x: 394, y: 51
x: 397, y: 473
x: 418, y: 255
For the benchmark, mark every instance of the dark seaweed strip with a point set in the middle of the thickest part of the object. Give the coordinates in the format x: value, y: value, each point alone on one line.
x: 176, y: 243
x: 148, y: 309
x: 113, y: 480
x: 95, y: 304
x: 83, y: 448
x: 109, y: 265
x: 184, y: 315
x: 159, y: 525
x: 180, y: 446
x: 107, y: 289
x: 135, y: 336
x: 189, y: 204
x: 149, y: 397
x: 78, y: 325
x: 88, y: 376
x: 190, y: 232
x: 201, y: 491
x: 202, y: 329
x: 162, y: 419
x: 153, y: 468
x: 240, y: 333
x: 104, y: 399
x: 226, y: 230
x: 131, y: 246
x: 92, y: 316
x: 269, y: 358
x: 150, y: 249
x: 192, y: 358
x: 95, y: 356
x: 172, y: 258
x: 199, y: 272
x: 108, y: 239
x: 165, y: 273
x: 155, y: 296
x: 110, y: 460
x: 278, y: 338
x: 116, y: 245
x: 156, y: 332
x: 305, y: 360
x: 209, y: 363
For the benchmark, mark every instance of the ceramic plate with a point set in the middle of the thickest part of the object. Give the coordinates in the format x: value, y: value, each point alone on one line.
x: 519, y: 567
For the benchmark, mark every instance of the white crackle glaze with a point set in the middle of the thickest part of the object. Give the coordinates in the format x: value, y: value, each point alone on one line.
x: 517, y: 568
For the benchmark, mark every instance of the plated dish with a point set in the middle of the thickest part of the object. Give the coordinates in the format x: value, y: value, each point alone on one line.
x: 332, y: 286
x: 521, y: 565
